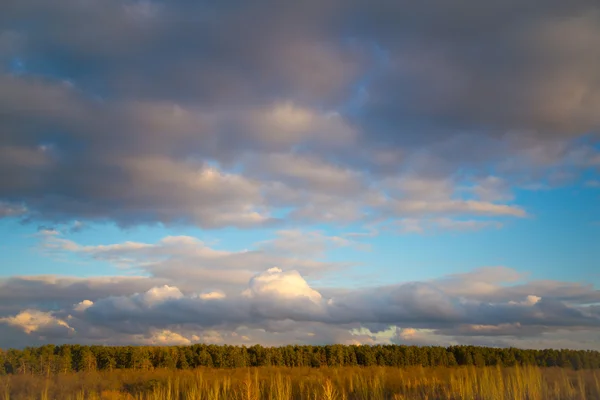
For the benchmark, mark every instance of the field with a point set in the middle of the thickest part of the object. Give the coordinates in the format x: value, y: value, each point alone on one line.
x: 303, y: 383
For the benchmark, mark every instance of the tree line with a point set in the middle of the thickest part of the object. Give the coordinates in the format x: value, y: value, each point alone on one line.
x: 51, y: 359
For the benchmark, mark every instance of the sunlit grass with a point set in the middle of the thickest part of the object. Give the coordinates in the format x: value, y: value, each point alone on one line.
x: 345, y: 383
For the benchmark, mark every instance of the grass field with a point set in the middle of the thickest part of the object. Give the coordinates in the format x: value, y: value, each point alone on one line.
x: 373, y: 383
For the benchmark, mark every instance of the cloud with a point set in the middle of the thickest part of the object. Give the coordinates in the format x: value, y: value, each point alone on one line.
x: 41, y: 323
x: 456, y: 207
x: 407, y: 333
x: 309, y: 173
x: 493, y: 284
x: 453, y: 76
x: 301, y: 114
x: 278, y: 306
x: 166, y: 306
x: 212, y: 295
x: 308, y: 244
x: 167, y: 338
x: 77, y: 226
x: 415, y: 225
x: 592, y: 184
x: 193, y: 266
x: 10, y: 210
x: 419, y: 199
x: 278, y: 284
x: 181, y: 186
x: 83, y: 305
x: 530, y: 300
x: 419, y: 117
x: 23, y: 292
x: 158, y: 295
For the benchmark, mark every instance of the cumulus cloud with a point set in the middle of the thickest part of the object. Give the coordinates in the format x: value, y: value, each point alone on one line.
x: 407, y: 333
x: 158, y: 295
x: 212, y: 295
x: 167, y: 338
x: 166, y: 306
x: 41, y: 323
x: 530, y: 300
x: 278, y: 284
x: 278, y: 306
x: 83, y: 305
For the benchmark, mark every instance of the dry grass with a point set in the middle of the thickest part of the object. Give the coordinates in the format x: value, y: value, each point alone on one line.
x: 347, y: 383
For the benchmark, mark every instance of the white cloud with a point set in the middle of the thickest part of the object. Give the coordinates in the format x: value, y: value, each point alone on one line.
x: 275, y: 283
x: 160, y: 294
x: 83, y: 305
x: 530, y: 300
x: 166, y: 337
x: 212, y: 295
x: 42, y: 323
x: 407, y: 333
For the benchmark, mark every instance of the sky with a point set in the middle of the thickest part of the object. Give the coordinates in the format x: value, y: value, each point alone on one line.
x: 356, y: 172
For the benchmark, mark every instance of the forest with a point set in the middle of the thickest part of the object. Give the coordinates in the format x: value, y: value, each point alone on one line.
x: 51, y: 359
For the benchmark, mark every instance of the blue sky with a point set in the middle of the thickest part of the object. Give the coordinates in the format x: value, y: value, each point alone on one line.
x: 339, y: 169
x: 558, y: 241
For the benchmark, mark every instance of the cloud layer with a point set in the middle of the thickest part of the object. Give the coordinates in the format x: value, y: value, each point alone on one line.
x: 279, y: 304
x: 366, y: 116
x: 239, y: 115
x: 276, y: 305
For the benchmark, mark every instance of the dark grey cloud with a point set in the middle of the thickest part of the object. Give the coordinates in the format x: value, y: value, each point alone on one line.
x: 213, y: 52
x: 484, y: 285
x: 56, y: 292
x: 119, y: 110
x: 467, y: 68
x: 276, y: 302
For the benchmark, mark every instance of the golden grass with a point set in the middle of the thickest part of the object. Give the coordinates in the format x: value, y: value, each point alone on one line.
x: 346, y: 383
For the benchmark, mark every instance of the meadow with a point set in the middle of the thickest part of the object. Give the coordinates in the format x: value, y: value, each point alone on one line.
x: 306, y: 383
